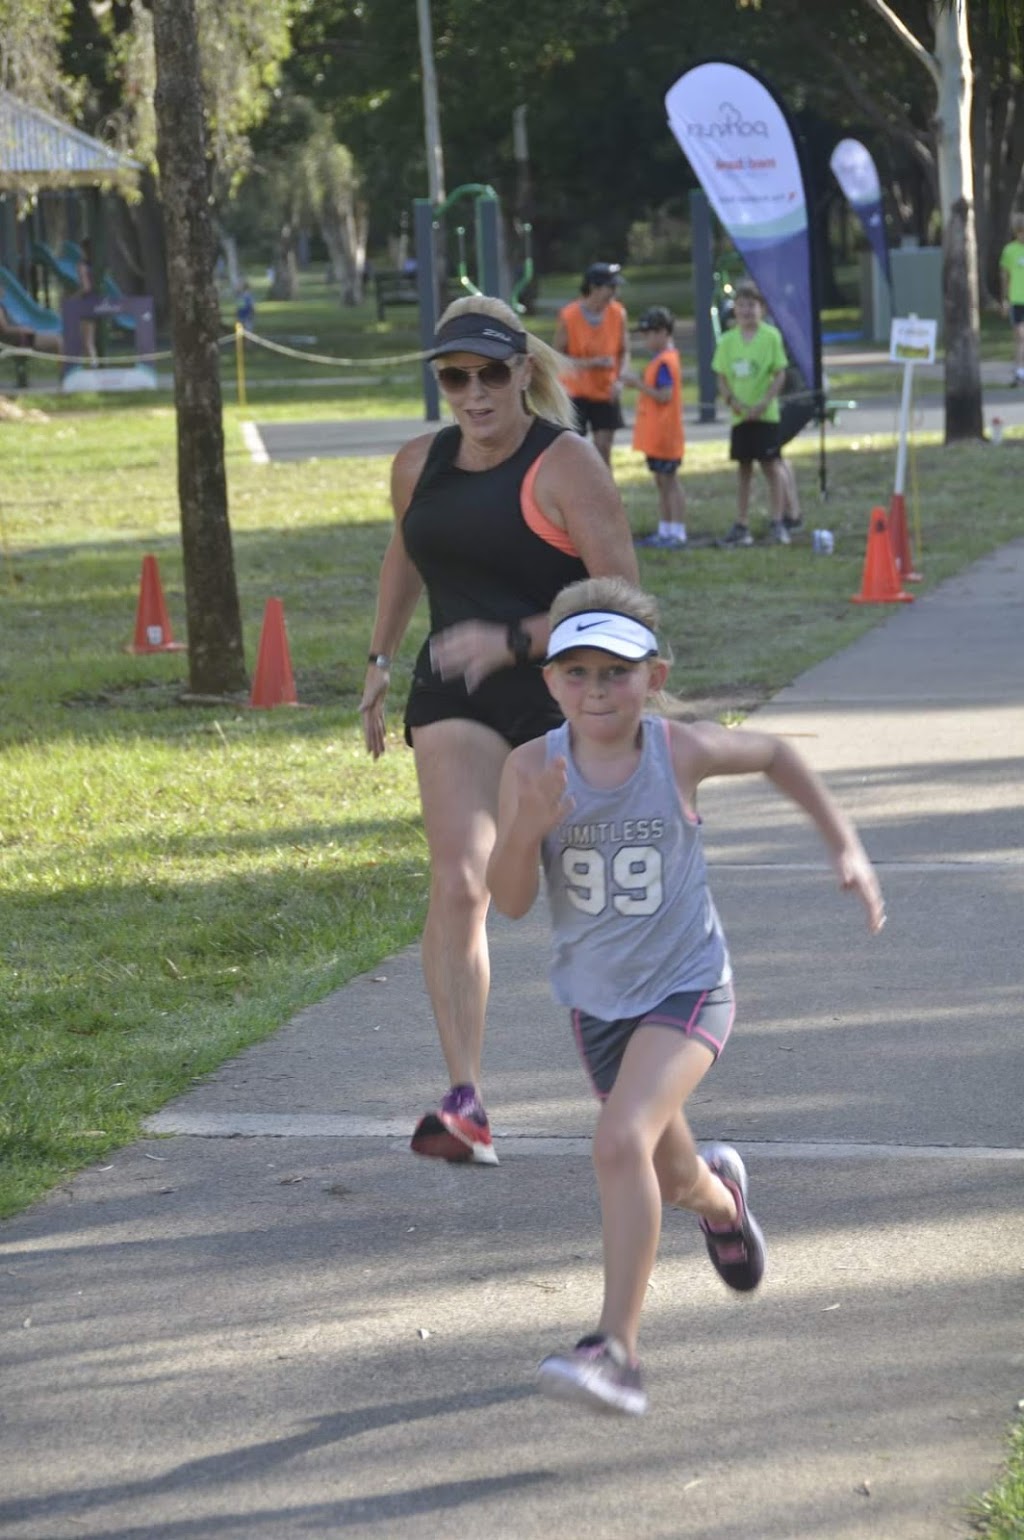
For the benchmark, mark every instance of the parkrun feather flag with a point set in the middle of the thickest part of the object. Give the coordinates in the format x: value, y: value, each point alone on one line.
x: 855, y: 172
x: 737, y: 138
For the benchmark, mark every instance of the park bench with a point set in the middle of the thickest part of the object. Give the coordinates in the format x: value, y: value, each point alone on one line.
x: 393, y: 287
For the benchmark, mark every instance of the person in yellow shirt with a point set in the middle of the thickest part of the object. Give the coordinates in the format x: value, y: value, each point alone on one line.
x: 750, y: 362
x: 658, y: 425
x: 592, y: 331
x: 1011, y: 273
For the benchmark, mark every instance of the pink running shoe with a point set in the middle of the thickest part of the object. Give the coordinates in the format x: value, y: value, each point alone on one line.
x: 738, y: 1254
x: 458, y: 1131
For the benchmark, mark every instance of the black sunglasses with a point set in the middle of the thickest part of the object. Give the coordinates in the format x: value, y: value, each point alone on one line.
x: 495, y: 376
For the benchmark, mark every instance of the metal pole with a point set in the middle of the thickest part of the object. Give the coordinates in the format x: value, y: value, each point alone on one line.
x: 431, y: 112
x: 426, y: 284
x: 704, y: 289
x: 488, y: 271
x: 901, y: 448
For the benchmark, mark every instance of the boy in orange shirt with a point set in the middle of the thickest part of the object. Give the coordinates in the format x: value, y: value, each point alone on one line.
x: 591, y: 331
x: 658, y: 429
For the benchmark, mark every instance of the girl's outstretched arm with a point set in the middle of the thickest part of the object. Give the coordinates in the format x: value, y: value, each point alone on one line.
x: 531, y: 801
x: 706, y: 749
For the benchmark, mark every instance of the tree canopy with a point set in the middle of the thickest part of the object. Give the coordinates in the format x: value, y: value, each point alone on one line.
x: 590, y: 74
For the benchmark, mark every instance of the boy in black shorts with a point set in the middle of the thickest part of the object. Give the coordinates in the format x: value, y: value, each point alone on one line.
x: 750, y: 362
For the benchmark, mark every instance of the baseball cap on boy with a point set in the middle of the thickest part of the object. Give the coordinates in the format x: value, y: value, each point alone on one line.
x: 599, y: 274
x: 656, y: 318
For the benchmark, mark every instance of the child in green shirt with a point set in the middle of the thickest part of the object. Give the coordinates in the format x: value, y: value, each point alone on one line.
x: 750, y: 362
x: 1011, y: 273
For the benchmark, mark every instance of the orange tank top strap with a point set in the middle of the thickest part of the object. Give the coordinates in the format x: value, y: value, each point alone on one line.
x: 537, y: 520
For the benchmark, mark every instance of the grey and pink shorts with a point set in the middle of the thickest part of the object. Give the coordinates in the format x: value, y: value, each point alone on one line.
x: 705, y: 1015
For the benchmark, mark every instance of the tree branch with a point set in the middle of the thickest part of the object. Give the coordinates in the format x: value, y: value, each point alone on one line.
x: 907, y: 37
x: 889, y: 118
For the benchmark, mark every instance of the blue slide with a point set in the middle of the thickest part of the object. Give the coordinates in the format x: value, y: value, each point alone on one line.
x: 22, y: 308
x: 67, y: 263
x: 62, y: 267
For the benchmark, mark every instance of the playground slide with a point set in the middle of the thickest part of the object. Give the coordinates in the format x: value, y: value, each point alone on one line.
x: 62, y: 267
x: 22, y: 308
x: 67, y: 263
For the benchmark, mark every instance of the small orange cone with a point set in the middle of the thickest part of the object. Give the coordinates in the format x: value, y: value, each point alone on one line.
x: 881, y: 581
x: 273, y: 684
x: 152, y: 625
x: 899, y: 537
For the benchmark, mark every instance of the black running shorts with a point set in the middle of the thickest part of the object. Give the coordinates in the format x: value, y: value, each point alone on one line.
x: 515, y: 702
x: 596, y: 414
x: 754, y: 440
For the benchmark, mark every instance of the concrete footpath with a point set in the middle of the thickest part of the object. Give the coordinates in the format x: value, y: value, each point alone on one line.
x: 329, y: 438
x: 273, y: 1323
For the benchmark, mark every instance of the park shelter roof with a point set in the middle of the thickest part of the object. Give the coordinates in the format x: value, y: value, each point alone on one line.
x: 38, y: 150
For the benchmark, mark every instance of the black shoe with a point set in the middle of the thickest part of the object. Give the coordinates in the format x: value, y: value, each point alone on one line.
x: 792, y: 524
x: 738, y: 1255
x: 737, y: 536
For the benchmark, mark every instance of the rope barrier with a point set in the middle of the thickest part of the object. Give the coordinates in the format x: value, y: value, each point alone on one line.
x: 120, y: 362
x: 9, y: 351
x: 325, y: 358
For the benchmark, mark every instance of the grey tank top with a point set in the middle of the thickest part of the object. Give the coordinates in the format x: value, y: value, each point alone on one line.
x: 632, y: 917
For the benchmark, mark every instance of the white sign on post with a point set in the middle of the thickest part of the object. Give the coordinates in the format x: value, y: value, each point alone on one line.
x: 912, y: 340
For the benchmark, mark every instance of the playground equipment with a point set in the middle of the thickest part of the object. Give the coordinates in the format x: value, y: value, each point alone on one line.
x: 428, y: 223
x: 23, y: 309
x: 526, y: 276
x: 64, y: 266
x: 723, y: 304
x: 61, y: 268
x: 462, y: 272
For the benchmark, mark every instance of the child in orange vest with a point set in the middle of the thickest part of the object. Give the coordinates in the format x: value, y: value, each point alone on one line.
x: 658, y: 429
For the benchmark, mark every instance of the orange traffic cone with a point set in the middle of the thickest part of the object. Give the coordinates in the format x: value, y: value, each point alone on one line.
x: 899, y: 537
x: 881, y: 581
x: 273, y: 684
x: 152, y: 626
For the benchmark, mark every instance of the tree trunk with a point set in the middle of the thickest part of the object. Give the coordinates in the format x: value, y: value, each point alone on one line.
x: 959, y: 244
x: 960, y: 297
x: 229, y: 251
x: 215, y: 652
x: 285, y: 282
x: 1006, y: 161
x: 151, y: 244
x: 951, y: 70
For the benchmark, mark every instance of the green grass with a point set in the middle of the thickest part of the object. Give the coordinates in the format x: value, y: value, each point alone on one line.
x: 175, y: 882
x: 999, y: 1515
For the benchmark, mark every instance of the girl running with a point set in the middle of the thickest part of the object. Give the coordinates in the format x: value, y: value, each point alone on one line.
x: 608, y: 804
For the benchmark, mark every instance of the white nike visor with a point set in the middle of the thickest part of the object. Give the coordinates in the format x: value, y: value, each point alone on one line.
x: 620, y: 635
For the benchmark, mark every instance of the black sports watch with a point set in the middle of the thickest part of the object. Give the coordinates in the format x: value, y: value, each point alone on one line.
x: 520, y: 642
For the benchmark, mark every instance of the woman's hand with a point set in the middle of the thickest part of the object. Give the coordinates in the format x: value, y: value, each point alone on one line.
x: 371, y: 708
x: 470, y: 651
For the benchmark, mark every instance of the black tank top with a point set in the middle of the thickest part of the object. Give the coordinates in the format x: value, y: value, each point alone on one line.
x: 465, y: 533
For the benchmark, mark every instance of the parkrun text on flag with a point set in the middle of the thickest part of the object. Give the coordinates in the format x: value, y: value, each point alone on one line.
x: 737, y: 139
x: 857, y: 175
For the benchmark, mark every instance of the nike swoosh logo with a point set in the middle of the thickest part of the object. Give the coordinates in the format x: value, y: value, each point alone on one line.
x: 590, y: 625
